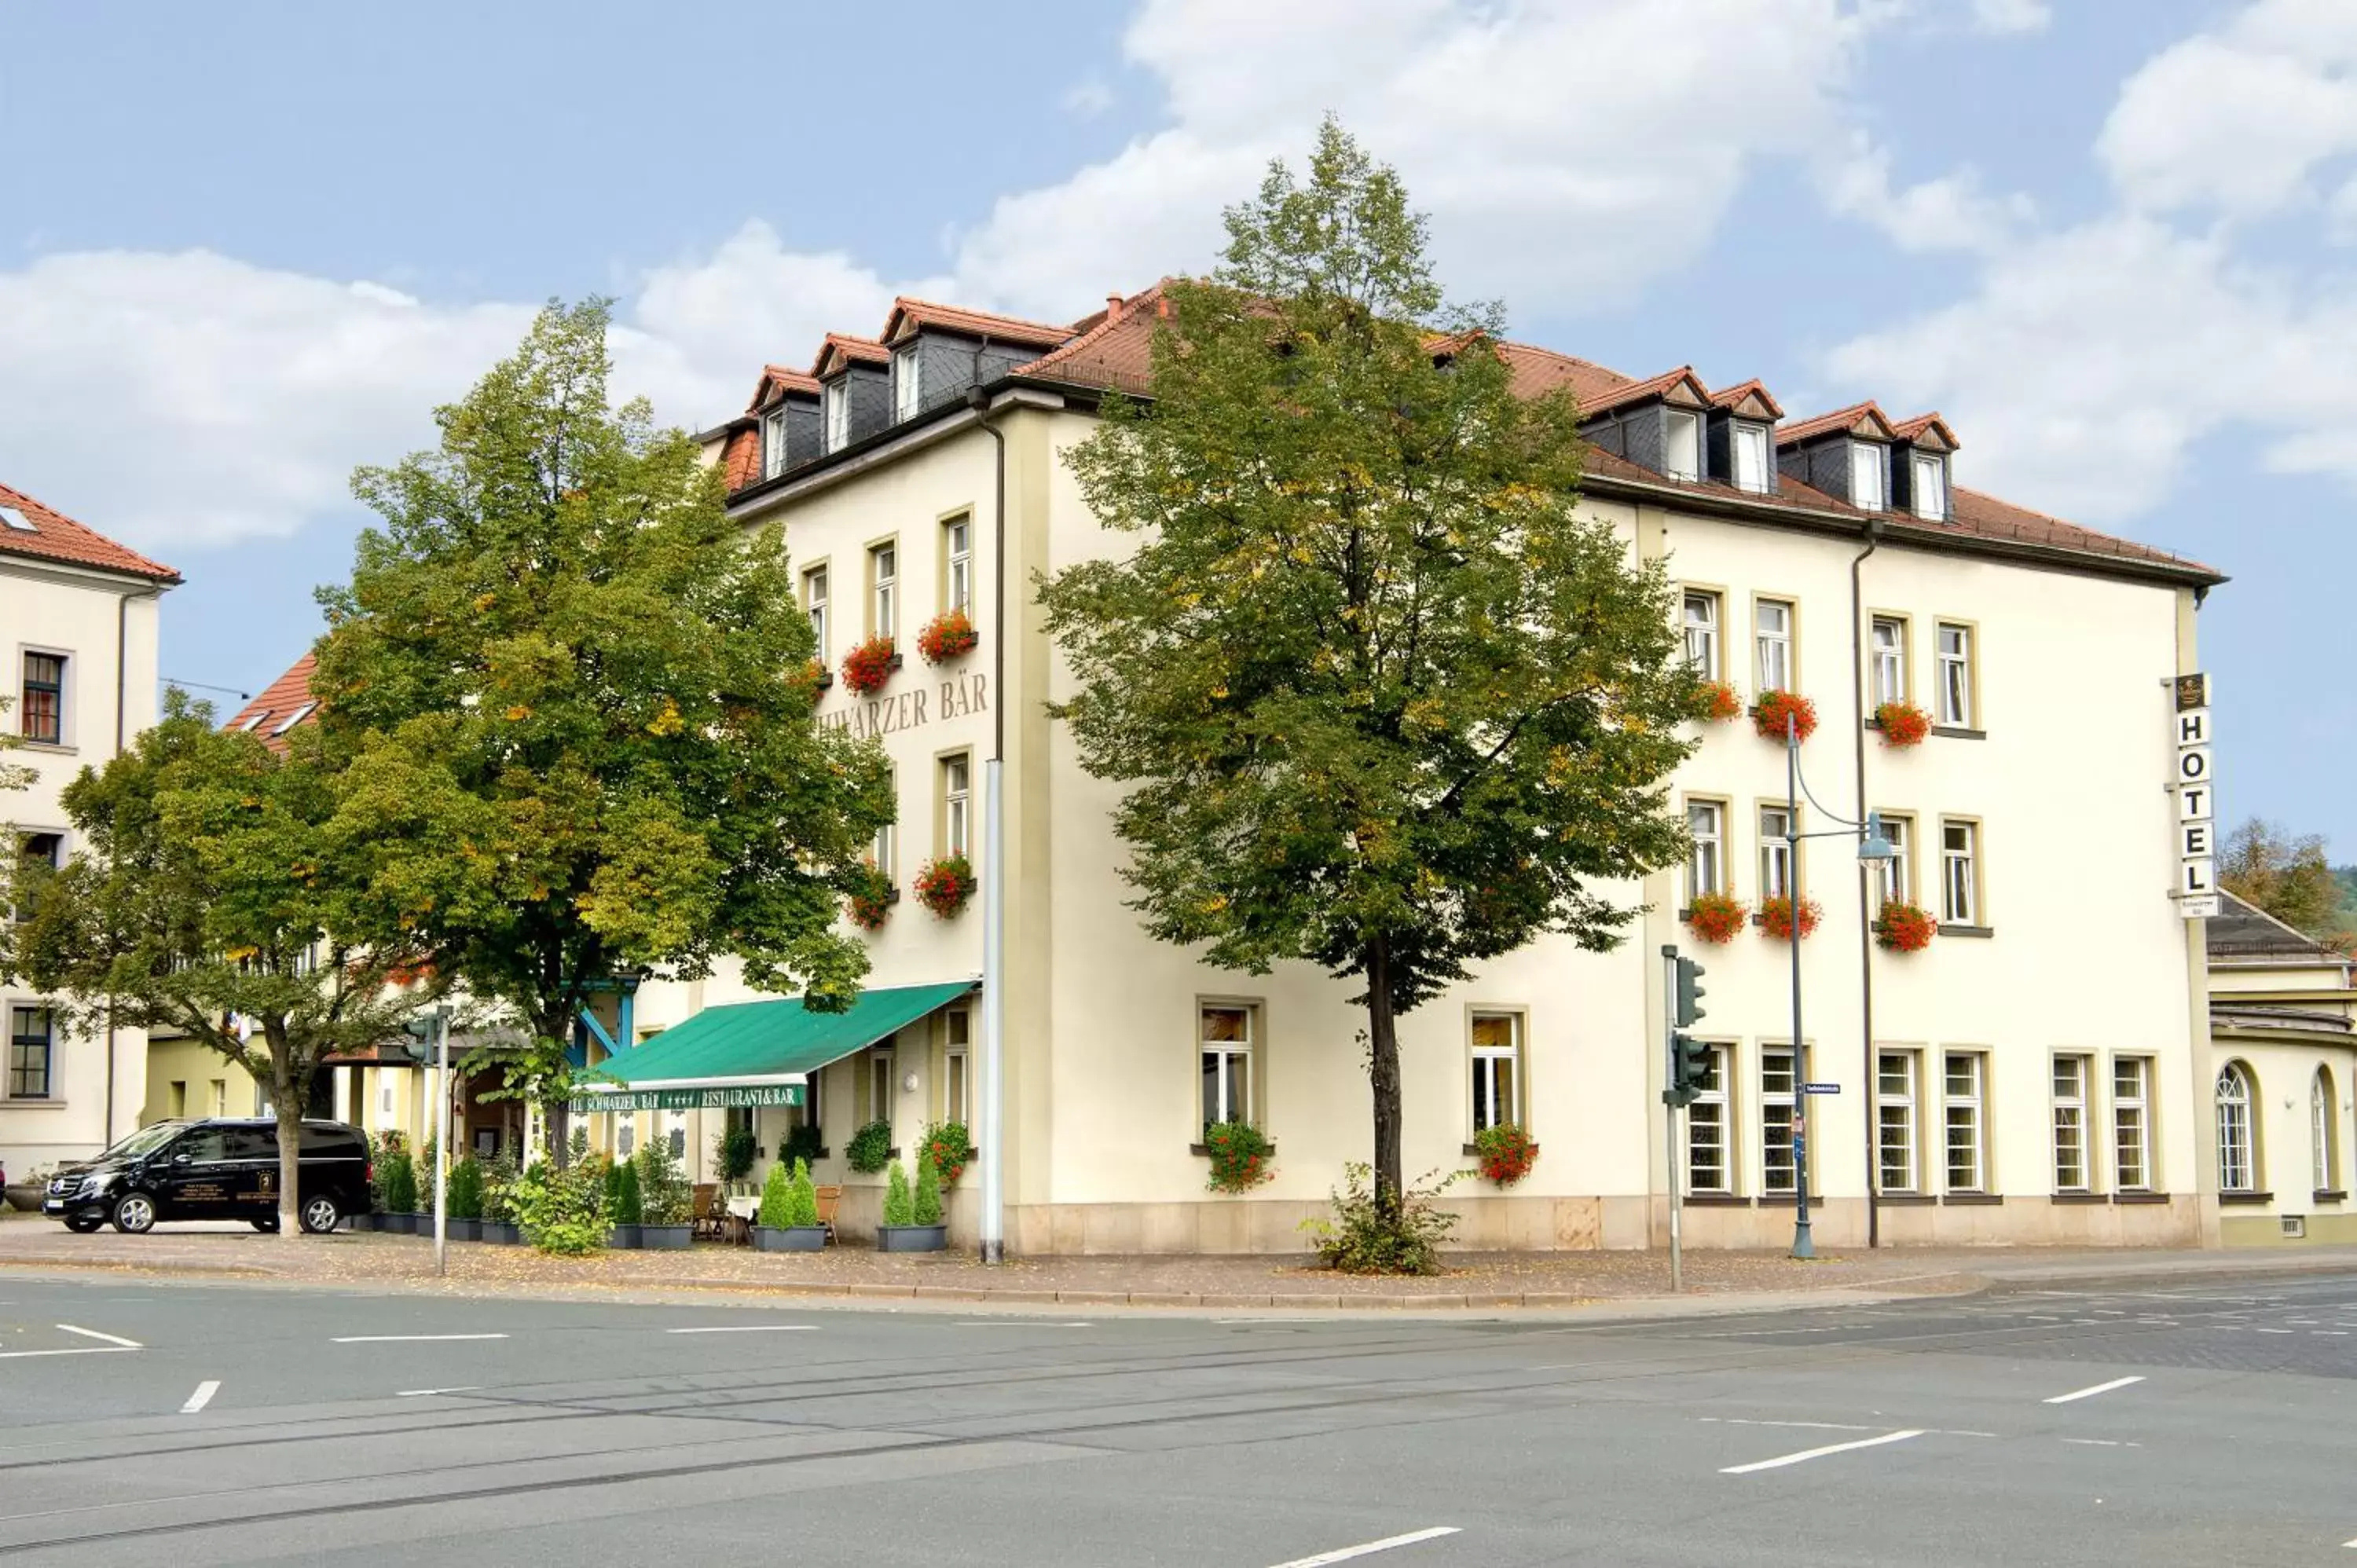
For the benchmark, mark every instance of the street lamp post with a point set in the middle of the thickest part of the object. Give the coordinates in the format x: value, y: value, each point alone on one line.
x: 1873, y: 848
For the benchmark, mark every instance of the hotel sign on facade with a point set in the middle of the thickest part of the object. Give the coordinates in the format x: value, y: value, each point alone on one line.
x: 2197, y: 828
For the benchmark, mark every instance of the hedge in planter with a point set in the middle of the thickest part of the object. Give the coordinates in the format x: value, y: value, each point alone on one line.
x: 400, y: 1193
x: 466, y: 1200
x: 667, y: 1200
x: 625, y: 1204
x: 562, y: 1211
x: 789, y: 1219
x: 907, y: 1227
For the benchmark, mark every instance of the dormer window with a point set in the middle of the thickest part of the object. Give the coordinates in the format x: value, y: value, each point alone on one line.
x: 1867, y: 476
x: 1751, y: 458
x: 1931, y: 485
x: 838, y: 415
x: 16, y: 521
x: 773, y: 443
x: 1682, y: 445
x: 907, y: 383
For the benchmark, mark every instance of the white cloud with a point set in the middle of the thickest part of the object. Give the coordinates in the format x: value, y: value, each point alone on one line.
x: 2011, y: 15
x: 1950, y: 213
x: 1087, y: 98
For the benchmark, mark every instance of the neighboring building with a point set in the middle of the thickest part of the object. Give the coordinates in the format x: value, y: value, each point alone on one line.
x: 2282, y: 1030
x: 1984, y: 1103
x: 78, y: 628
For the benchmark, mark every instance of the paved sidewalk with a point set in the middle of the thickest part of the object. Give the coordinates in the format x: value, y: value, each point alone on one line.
x: 1715, y: 1281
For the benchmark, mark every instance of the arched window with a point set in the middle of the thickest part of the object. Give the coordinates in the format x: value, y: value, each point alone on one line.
x: 2234, y: 1129
x: 2324, y: 1131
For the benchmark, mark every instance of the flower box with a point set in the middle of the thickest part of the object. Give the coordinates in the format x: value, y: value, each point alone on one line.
x: 871, y: 898
x: 944, y: 885
x: 948, y: 635
x: 1720, y: 702
x: 666, y: 1238
x: 911, y: 1238
x: 1904, y: 927
x: 868, y: 666
x: 1902, y: 724
x: 1507, y: 1153
x: 1715, y: 917
x: 789, y: 1238
x: 1777, y: 711
x: 623, y: 1238
x: 1776, y: 917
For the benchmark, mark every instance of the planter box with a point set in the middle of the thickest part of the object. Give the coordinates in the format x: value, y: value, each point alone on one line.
x: 465, y: 1229
x: 911, y: 1238
x: 501, y: 1233
x: 624, y: 1238
x: 789, y: 1238
x: 666, y: 1238
x: 360, y: 1222
x: 398, y: 1224
x: 24, y: 1197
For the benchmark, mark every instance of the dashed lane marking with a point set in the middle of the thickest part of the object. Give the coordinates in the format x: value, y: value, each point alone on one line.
x: 1369, y: 1548
x: 1806, y: 1454
x: 117, y: 1340
x: 747, y: 1329
x: 422, y: 1393
x: 405, y: 1338
x: 202, y: 1397
x: 2090, y: 1393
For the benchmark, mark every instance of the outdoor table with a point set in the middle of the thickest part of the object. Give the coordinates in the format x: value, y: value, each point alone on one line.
x: 741, y: 1212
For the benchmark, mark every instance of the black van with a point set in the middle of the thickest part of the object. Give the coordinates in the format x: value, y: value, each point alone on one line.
x: 216, y: 1168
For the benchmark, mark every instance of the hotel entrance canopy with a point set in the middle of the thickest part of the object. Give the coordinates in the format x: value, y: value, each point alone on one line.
x: 755, y: 1053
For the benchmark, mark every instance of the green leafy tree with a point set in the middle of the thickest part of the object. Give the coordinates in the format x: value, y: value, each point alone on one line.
x: 2265, y: 864
x: 1381, y: 699
x: 212, y: 896
x: 577, y: 702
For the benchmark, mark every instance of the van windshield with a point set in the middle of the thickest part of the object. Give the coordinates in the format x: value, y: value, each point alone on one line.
x: 145, y: 1141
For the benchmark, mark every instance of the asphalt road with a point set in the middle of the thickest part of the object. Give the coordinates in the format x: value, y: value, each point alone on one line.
x: 147, y: 1422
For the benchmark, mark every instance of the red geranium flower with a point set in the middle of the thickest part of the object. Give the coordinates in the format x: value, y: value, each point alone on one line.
x: 947, y: 636
x: 866, y: 667
x: 1768, y: 713
x: 1903, y: 928
x: 1776, y: 917
x: 1715, y: 917
x: 1902, y: 723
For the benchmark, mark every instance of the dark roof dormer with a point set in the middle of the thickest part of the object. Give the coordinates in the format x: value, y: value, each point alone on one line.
x: 1919, y: 467
x: 1657, y: 424
x: 1739, y: 437
x: 855, y: 379
x: 785, y: 409
x: 1846, y: 454
x: 939, y: 352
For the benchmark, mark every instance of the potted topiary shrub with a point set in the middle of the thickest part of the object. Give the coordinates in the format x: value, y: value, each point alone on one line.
x: 789, y: 1219
x: 466, y: 1199
x: 912, y: 1219
x: 666, y: 1201
x: 499, y: 1224
x: 870, y: 1149
x: 400, y: 1194
x: 624, y: 1204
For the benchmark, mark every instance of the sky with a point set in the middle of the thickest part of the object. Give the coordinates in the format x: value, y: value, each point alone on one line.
x: 244, y: 249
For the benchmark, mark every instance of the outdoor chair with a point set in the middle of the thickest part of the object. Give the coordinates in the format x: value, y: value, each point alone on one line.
x: 710, y: 1216
x: 828, y: 1197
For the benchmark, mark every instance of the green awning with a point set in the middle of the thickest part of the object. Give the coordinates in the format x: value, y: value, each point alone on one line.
x: 755, y: 1053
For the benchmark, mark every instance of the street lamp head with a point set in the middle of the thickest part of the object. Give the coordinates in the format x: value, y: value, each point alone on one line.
x: 1875, y: 848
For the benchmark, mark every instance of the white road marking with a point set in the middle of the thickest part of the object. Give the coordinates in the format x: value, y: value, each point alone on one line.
x: 747, y: 1329
x: 114, y: 1339
x: 202, y: 1397
x: 1017, y: 1323
x: 421, y: 1393
x: 1367, y: 1549
x: 2275, y: 1331
x: 405, y: 1338
x: 78, y: 1350
x: 2101, y: 1443
x: 1813, y: 1426
x: 2090, y: 1393
x: 1807, y: 1454
x: 2329, y: 1333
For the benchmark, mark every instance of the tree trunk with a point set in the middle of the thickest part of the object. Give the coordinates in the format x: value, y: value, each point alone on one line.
x: 1383, y: 1072
x: 287, y: 1098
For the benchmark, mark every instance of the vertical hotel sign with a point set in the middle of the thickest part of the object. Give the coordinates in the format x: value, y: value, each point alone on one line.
x: 2197, y: 828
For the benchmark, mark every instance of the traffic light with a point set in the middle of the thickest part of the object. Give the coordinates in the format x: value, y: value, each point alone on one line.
x: 1690, y: 992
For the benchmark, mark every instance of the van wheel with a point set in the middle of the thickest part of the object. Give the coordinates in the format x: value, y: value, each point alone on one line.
x: 268, y: 1227
x: 135, y: 1214
x: 83, y: 1224
x: 320, y: 1215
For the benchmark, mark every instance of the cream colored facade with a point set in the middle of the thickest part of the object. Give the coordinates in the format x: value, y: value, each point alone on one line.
x: 2074, y: 959
x: 95, y: 627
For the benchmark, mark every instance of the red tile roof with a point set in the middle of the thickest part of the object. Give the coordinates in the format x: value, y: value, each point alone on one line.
x: 282, y: 700
x: 776, y: 379
x: 57, y: 537
x: 1909, y: 429
x: 976, y: 323
x: 1117, y: 352
x: 1839, y: 419
x: 850, y: 348
x: 1637, y: 391
x: 1728, y: 397
x: 740, y: 459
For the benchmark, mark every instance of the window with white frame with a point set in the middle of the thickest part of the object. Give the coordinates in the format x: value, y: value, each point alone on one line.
x: 2324, y: 1132
x: 879, y: 1085
x: 1966, y: 1093
x: 41, y: 698
x: 1931, y: 485
x: 1775, y: 852
x: 1751, y: 458
x: 32, y: 1033
x: 1889, y: 659
x: 1956, y: 650
x: 1897, y: 1142
x: 1894, y: 881
x: 1497, y: 1070
x: 2237, y: 1140
x: 1706, y: 868
x: 1682, y: 445
x: 957, y: 1061
x: 884, y: 591
x: 1709, y: 1131
x: 957, y: 552
x: 957, y: 803
x: 2132, y: 1123
x: 908, y: 383
x: 1225, y: 1034
x: 1868, y: 474
x: 814, y: 602
x: 1701, y: 622
x: 773, y: 443
x: 837, y: 401
x: 1960, y: 873
x: 1772, y: 632
x: 1779, y: 1096
x: 2070, y: 1172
